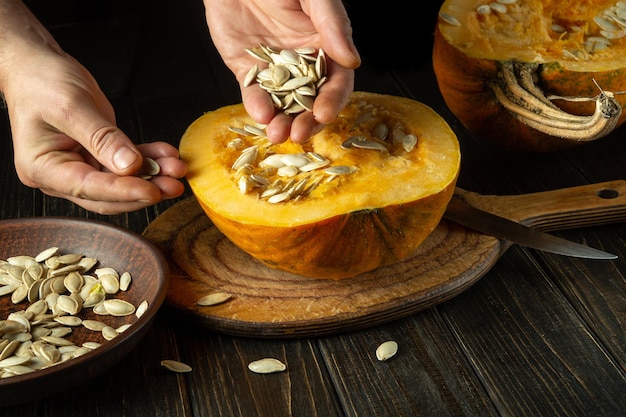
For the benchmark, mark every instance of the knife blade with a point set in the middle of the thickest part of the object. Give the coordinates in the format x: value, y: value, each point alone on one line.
x: 491, y: 224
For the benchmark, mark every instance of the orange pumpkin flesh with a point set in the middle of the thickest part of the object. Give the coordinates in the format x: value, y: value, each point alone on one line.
x: 558, y: 36
x: 347, y: 224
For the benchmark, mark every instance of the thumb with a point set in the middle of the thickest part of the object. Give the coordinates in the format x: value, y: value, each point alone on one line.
x: 104, y: 141
x: 333, y: 24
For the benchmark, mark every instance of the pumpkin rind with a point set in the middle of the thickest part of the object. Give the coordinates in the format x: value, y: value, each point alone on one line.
x: 354, y: 223
x: 465, y: 61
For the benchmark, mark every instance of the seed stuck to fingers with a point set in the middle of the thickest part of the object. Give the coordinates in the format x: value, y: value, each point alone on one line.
x: 149, y: 169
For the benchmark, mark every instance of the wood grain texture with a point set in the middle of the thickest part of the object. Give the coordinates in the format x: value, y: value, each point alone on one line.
x: 556, y: 367
x: 272, y: 303
x: 113, y: 247
x: 429, y: 376
x: 526, y: 339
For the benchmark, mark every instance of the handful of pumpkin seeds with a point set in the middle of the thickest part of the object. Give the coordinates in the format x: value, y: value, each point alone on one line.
x: 292, y: 77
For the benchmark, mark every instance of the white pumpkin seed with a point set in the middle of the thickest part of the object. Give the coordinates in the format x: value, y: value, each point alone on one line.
x: 95, y: 325
x: 46, y: 253
x: 125, y: 280
x: 117, y: 307
x: 109, y: 333
x: 266, y: 366
x: 110, y: 283
x: 386, y: 350
x: 214, y: 299
x: 141, y: 308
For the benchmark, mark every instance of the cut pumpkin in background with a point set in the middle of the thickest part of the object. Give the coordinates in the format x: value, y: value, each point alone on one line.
x: 364, y: 192
x: 533, y: 75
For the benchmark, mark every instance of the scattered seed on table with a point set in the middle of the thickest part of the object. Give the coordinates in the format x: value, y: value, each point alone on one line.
x: 266, y: 366
x: 175, y: 366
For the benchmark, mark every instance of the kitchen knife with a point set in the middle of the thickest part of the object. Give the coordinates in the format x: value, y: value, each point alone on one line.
x: 466, y: 215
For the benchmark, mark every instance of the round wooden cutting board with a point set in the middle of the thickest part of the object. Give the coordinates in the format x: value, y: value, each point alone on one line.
x: 273, y: 304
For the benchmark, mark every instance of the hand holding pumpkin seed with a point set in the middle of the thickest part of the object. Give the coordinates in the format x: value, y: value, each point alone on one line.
x: 65, y: 138
x: 289, y: 27
x: 66, y: 142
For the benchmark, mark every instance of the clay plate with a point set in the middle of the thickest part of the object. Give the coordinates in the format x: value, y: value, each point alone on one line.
x: 112, y: 246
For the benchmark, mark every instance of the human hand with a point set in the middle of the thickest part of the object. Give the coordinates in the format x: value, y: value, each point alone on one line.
x: 236, y: 25
x: 66, y: 142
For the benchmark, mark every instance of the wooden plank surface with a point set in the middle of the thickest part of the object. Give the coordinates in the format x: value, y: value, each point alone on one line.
x: 539, y: 335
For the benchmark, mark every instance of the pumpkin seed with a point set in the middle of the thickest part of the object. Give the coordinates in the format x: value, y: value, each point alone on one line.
x: 141, y: 309
x: 175, y: 366
x: 498, y: 7
x: 448, y: 18
x: 214, y: 299
x: 149, y: 169
x: 266, y: 366
x: 109, y: 333
x: 110, y: 283
x: 125, y: 280
x: 251, y: 75
x: 92, y: 345
x: 94, y: 325
x: 117, y: 307
x: 386, y: 350
x: 46, y: 253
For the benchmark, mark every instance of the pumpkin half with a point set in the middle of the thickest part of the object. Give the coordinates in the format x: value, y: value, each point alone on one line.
x: 364, y: 192
x: 533, y: 75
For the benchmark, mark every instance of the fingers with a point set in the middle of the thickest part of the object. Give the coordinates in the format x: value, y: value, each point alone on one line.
x: 107, y: 193
x: 331, y: 99
x: 333, y: 25
x: 334, y: 94
x: 167, y: 157
x: 258, y: 103
x: 101, y: 139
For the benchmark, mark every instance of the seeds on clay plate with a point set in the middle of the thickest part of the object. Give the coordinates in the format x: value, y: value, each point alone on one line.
x: 214, y: 298
x: 117, y: 307
x: 386, y: 350
x: 266, y: 366
x: 125, y: 280
x: 141, y: 309
x: 109, y: 333
x: 175, y: 366
x: 94, y: 325
x: 58, y: 287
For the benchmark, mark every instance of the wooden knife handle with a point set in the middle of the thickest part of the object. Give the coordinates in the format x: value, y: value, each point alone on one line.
x: 566, y: 208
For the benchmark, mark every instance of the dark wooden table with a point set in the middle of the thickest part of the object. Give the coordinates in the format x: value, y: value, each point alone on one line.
x: 539, y: 335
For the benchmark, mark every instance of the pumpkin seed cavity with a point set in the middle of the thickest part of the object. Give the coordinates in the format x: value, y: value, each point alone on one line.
x: 525, y: 101
x: 608, y: 25
x: 282, y: 177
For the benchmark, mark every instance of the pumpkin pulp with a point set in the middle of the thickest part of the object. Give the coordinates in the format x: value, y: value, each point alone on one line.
x: 340, y: 225
x: 574, y: 56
